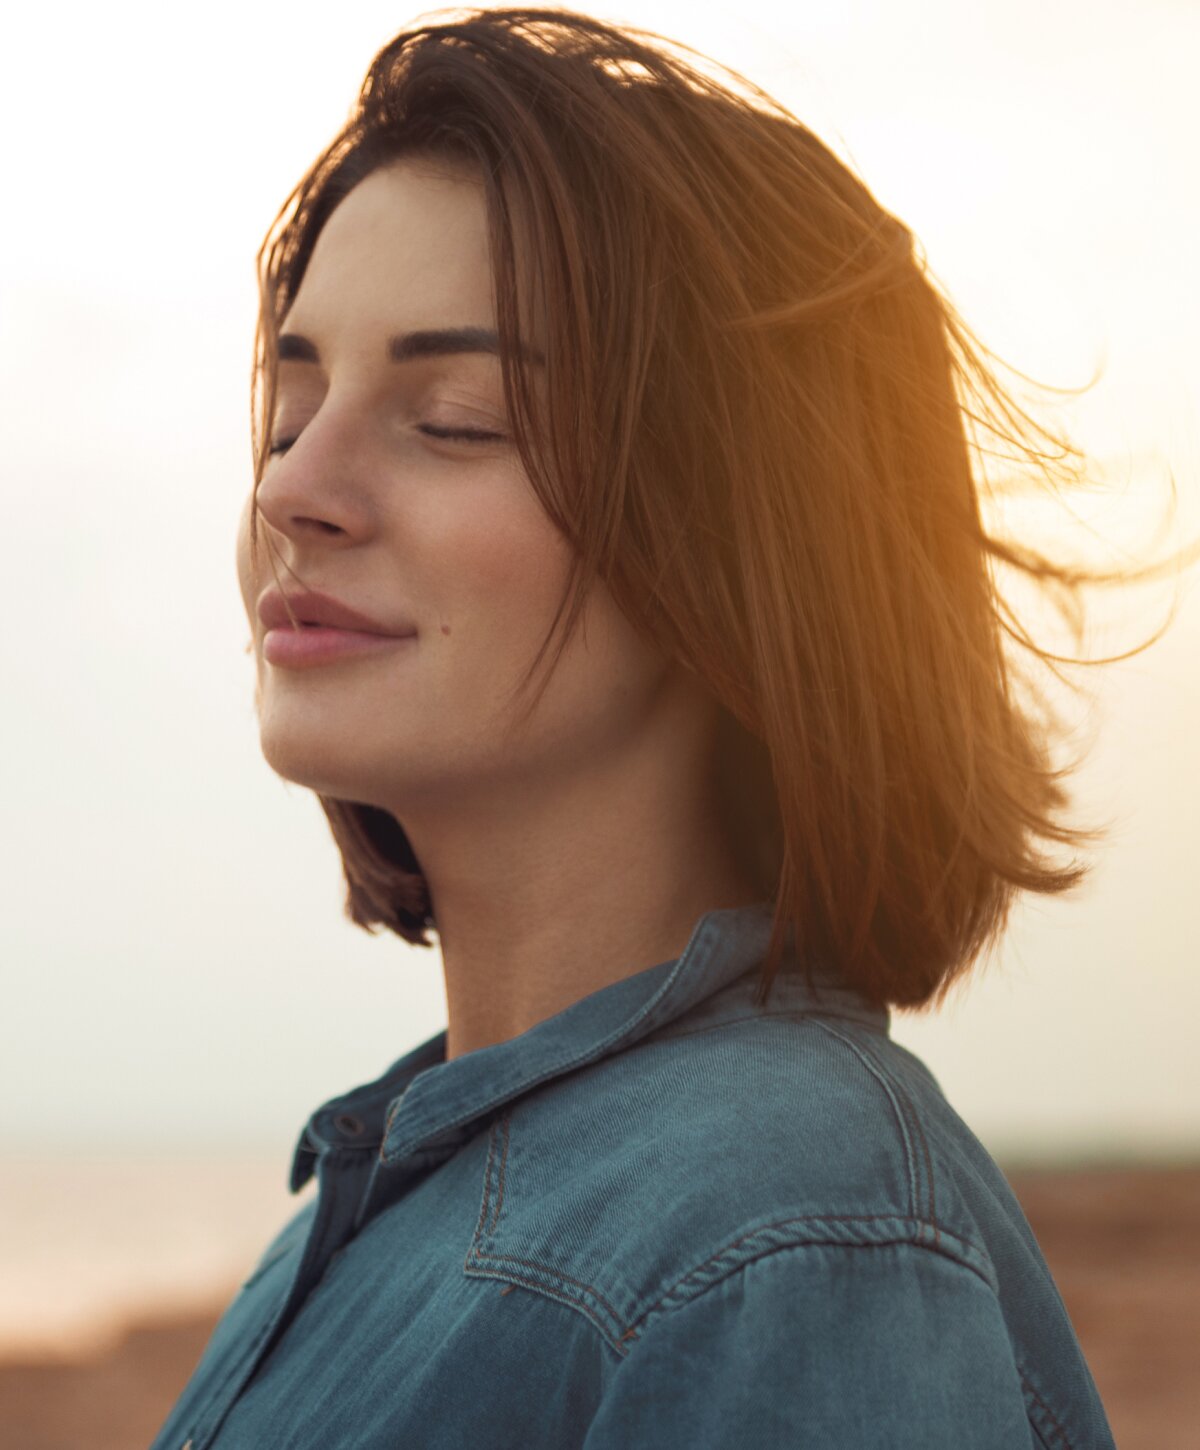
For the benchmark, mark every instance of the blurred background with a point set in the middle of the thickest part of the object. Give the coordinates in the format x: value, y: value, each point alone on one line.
x: 180, y: 987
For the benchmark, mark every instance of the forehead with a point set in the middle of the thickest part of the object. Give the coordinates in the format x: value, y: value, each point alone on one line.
x: 408, y: 247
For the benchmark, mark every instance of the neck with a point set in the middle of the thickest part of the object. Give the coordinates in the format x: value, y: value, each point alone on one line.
x: 562, y: 886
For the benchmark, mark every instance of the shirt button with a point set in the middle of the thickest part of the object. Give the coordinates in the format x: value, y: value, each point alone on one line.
x: 348, y: 1125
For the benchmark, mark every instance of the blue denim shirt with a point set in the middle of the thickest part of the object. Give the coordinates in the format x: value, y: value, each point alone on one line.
x: 664, y: 1217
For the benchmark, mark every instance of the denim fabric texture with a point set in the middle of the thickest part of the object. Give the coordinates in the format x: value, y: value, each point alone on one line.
x: 665, y: 1217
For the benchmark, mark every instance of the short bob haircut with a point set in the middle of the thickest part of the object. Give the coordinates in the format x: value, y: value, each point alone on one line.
x: 759, y: 430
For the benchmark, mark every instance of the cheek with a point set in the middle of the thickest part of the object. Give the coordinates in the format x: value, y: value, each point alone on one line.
x: 511, y: 568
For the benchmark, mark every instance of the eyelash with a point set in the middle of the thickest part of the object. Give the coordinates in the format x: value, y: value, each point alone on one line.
x: 464, y: 435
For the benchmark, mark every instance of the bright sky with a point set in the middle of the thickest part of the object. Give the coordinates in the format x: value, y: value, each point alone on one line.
x: 178, y: 971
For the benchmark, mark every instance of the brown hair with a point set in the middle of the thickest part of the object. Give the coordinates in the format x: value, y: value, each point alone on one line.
x: 761, y: 422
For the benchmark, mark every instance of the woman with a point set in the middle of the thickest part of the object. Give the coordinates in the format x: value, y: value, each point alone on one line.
x: 560, y: 331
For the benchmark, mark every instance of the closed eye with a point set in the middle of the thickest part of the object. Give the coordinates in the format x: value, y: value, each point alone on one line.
x: 463, y: 435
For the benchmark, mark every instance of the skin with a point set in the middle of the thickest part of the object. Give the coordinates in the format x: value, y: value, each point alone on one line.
x: 561, y: 857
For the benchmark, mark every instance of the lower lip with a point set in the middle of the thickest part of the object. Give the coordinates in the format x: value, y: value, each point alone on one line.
x: 299, y: 648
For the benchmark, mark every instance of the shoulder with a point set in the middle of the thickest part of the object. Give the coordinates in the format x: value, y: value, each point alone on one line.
x: 652, y: 1175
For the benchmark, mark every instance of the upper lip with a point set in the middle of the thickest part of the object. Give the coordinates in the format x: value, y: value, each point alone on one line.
x: 310, y: 606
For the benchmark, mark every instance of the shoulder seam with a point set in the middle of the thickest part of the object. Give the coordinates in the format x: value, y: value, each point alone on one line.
x: 909, y: 1125
x: 906, y: 1117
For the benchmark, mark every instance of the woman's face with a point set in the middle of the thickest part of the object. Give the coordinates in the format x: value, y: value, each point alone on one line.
x: 445, y: 536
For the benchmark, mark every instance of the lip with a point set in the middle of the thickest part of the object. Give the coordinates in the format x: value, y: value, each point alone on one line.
x: 310, y: 606
x: 302, y: 648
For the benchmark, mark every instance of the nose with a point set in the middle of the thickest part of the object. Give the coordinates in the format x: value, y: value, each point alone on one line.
x: 315, y: 490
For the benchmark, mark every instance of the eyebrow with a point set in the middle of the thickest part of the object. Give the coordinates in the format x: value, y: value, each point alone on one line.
x: 405, y: 346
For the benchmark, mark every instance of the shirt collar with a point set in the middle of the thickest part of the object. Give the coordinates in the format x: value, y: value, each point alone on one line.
x: 424, y: 1102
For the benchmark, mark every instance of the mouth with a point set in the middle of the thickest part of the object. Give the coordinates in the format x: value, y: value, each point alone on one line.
x: 335, y: 628
x: 310, y: 624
